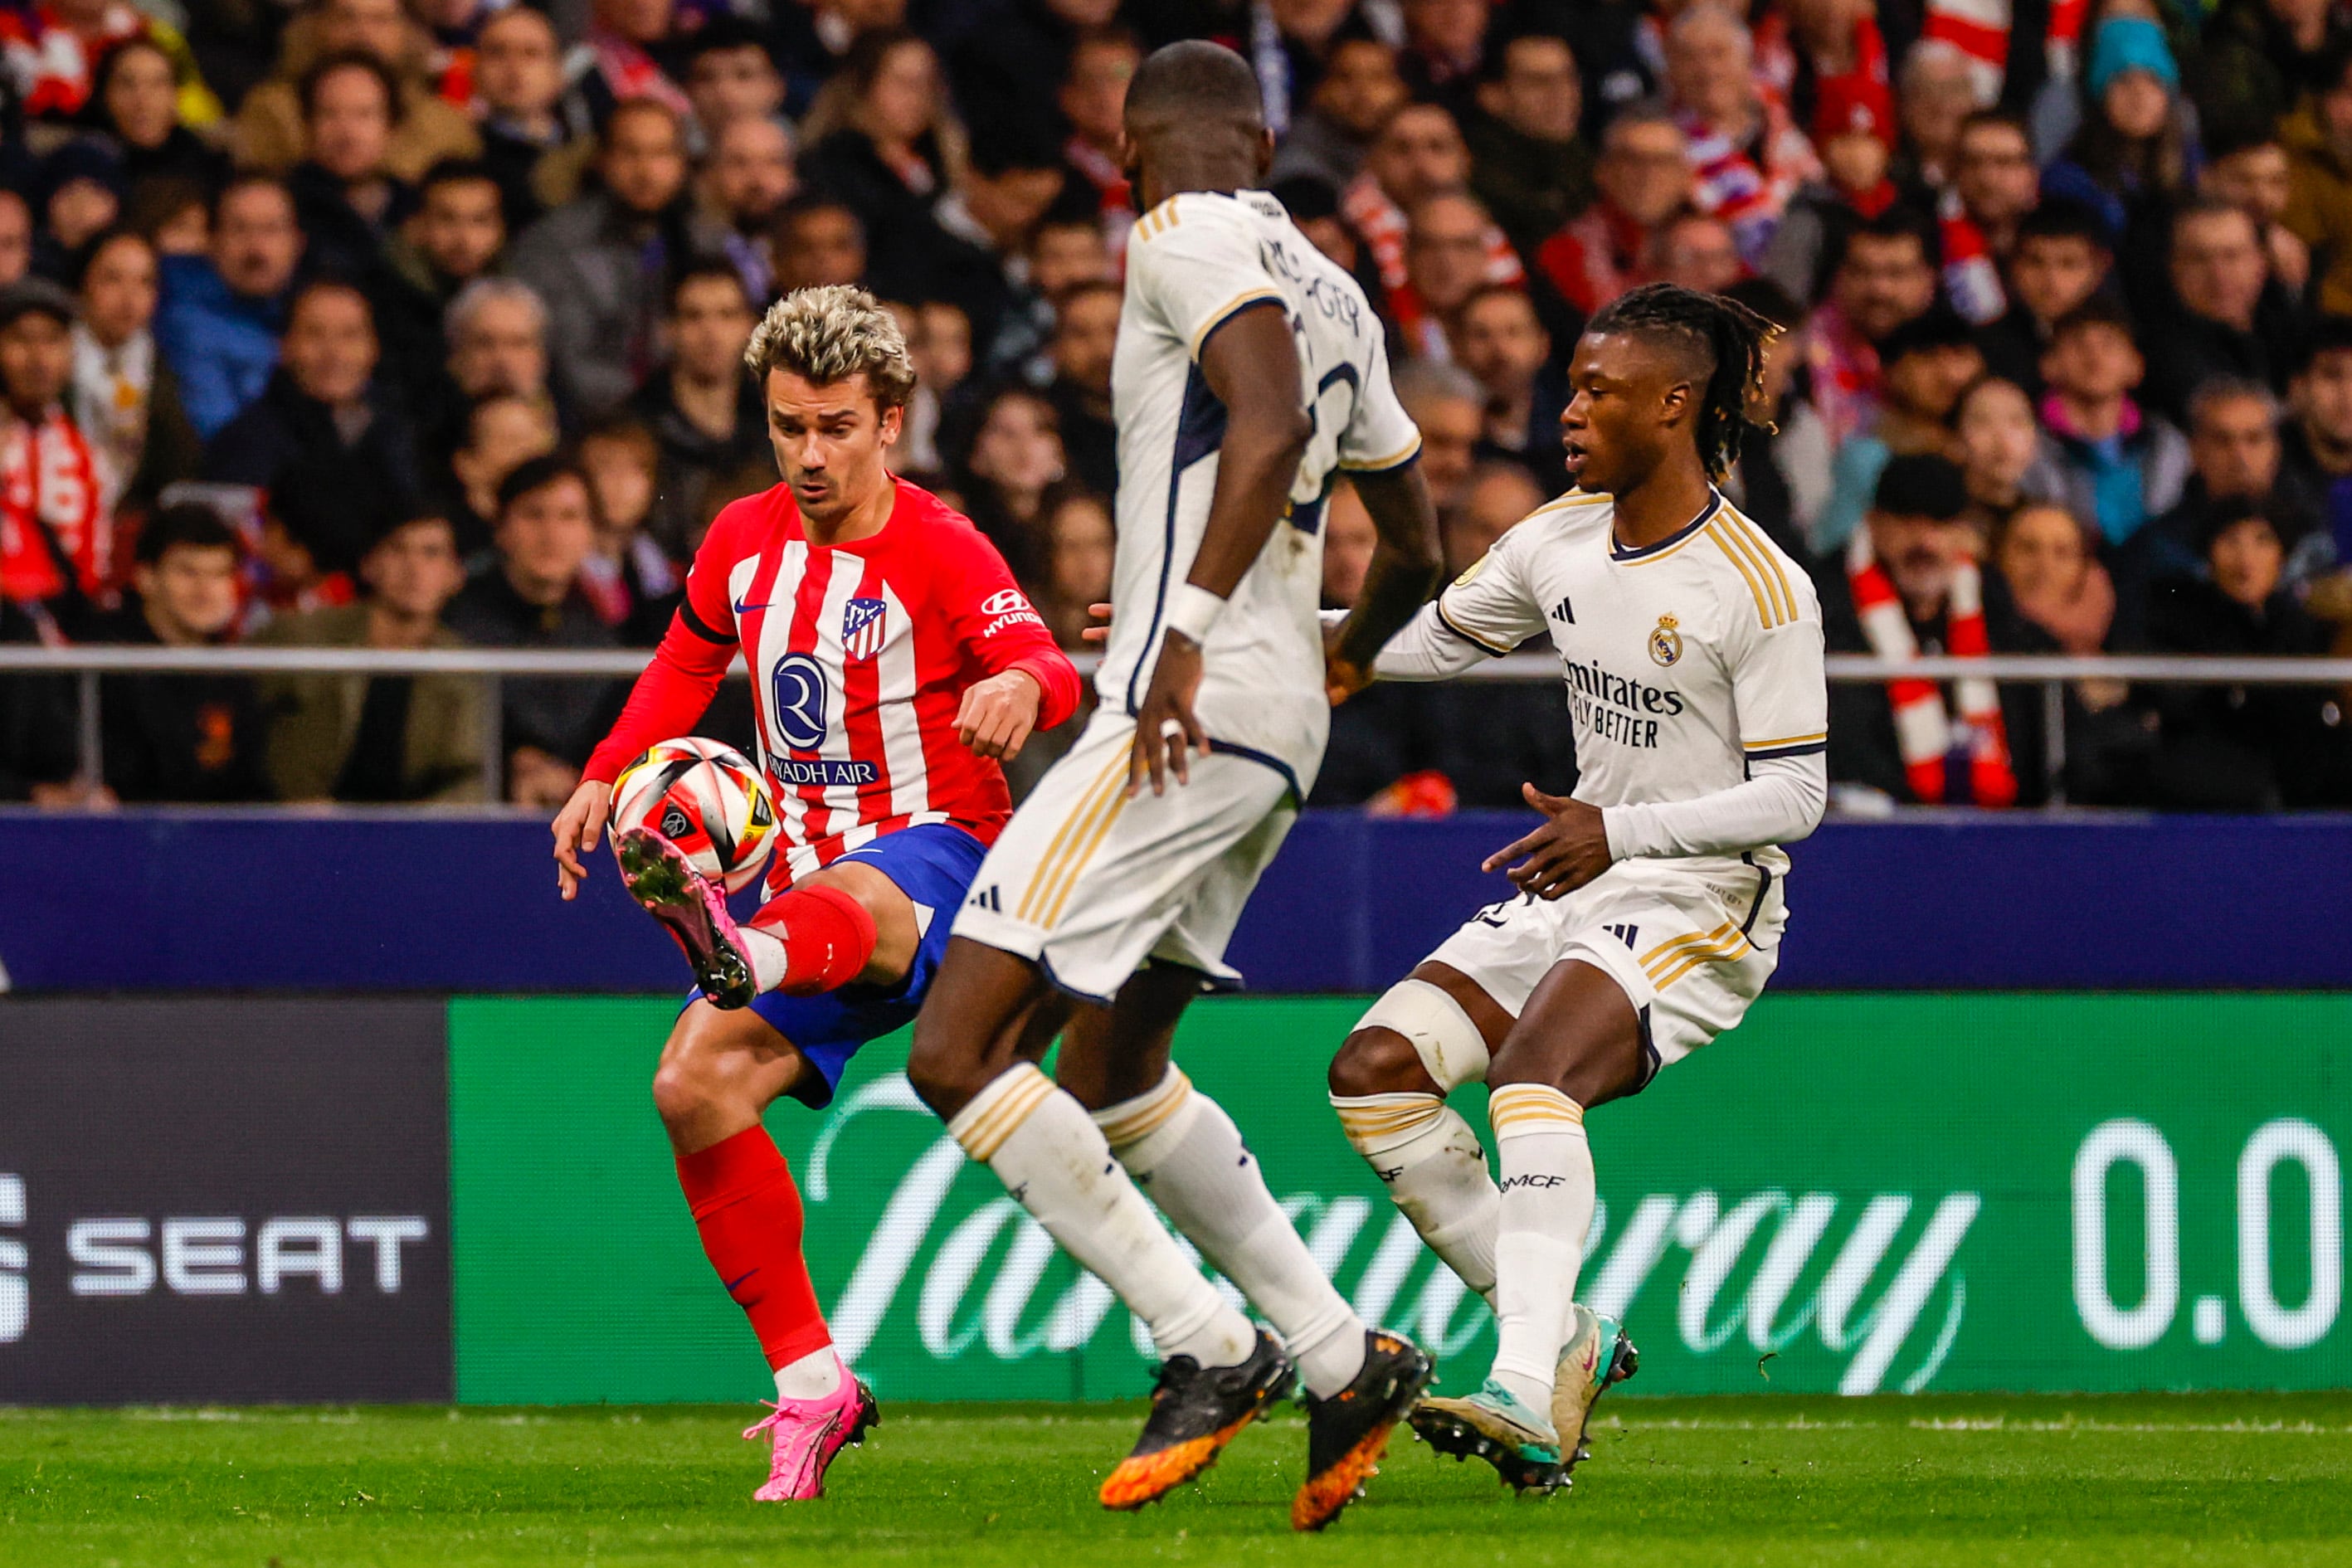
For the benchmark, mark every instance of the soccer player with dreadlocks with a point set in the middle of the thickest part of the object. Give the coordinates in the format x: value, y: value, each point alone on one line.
x: 1650, y: 906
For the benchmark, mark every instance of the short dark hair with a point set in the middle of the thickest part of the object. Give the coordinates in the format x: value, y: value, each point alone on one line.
x: 456, y: 171
x: 1938, y: 328
x: 1197, y: 82
x: 1921, y: 484
x: 1977, y: 120
x: 535, y: 474
x: 1897, y: 222
x: 96, y: 245
x: 1306, y: 197
x: 1770, y: 300
x: 723, y: 35
x: 247, y: 181
x: 2329, y: 334
x: 2202, y: 206
x: 704, y: 269
x: 2064, y: 218
x: 346, y: 61
x: 2098, y: 311
x: 809, y: 203
x: 2229, y: 512
x: 329, y: 284
x: 187, y: 524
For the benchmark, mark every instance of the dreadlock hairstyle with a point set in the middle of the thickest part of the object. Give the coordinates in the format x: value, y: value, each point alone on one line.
x: 1732, y: 337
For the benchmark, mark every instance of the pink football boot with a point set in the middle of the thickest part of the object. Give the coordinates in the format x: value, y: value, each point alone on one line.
x: 661, y: 877
x: 809, y: 1433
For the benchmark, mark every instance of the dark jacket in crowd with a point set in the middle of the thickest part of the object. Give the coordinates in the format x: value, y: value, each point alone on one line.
x: 691, y: 457
x: 290, y: 442
x: 2189, y: 351
x: 181, y: 738
x: 37, y: 730
x: 1531, y: 186
x: 562, y: 718
x: 352, y: 738
x: 2244, y: 748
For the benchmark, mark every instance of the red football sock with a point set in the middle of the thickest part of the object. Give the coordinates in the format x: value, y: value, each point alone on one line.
x: 749, y: 1212
x: 828, y: 936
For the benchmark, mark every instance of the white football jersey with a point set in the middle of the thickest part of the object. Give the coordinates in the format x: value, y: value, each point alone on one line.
x: 1194, y: 262
x: 1686, y: 660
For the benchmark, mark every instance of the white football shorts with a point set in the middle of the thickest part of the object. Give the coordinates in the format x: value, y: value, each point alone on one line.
x: 1089, y: 884
x: 1691, y: 949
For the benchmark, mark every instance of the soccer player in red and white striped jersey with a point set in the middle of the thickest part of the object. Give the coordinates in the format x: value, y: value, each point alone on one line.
x: 894, y: 663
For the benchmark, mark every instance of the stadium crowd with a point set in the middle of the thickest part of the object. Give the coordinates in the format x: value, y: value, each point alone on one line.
x: 406, y: 323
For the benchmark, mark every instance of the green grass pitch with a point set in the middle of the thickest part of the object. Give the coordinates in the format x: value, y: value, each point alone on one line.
x: 2209, y: 1479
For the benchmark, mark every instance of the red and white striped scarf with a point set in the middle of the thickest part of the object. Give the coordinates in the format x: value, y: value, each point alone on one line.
x: 51, y: 509
x: 1749, y: 191
x: 1923, y: 726
x: 1980, y: 30
x: 1971, y: 276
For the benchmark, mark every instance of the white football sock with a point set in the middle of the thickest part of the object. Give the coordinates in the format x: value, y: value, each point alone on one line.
x: 1185, y: 1151
x: 1546, y: 1210
x: 766, y: 955
x: 1052, y: 1158
x: 812, y: 1376
x: 1435, y: 1172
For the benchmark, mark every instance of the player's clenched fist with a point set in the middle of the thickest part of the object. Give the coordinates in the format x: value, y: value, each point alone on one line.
x: 998, y: 714
x: 1568, y: 850
x: 577, y: 827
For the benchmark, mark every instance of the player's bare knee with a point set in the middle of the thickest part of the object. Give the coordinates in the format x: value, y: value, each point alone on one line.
x: 1377, y: 1060
x: 685, y: 1093
x: 942, y: 1067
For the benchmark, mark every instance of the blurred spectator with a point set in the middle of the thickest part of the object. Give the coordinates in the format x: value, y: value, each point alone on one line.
x: 1358, y: 91
x: 1526, y: 162
x: 218, y: 323
x: 1385, y: 731
x: 818, y: 240
x: 2252, y: 174
x: 1505, y: 346
x: 497, y: 328
x: 15, y: 237
x: 939, y: 339
x: 1927, y: 364
x: 1994, y: 186
x: 701, y: 407
x: 78, y: 190
x: 2318, y: 139
x: 123, y: 398
x: 1450, y: 408
x: 1697, y: 251
x: 454, y: 234
x: 503, y: 431
x: 1007, y: 71
x: 749, y: 177
x: 2317, y: 440
x: 135, y: 99
x: 1885, y: 277
x: 1085, y: 334
x: 1910, y: 586
x: 2136, y: 151
x: 598, y: 263
x: 878, y: 141
x: 50, y: 55
x: 181, y: 737
x: 1444, y: 46
x: 2233, y: 322
x: 1093, y: 97
x: 2103, y: 456
x: 38, y: 761
x: 981, y: 231
x: 1314, y: 205
x: 2256, y: 58
x: 2047, y: 559
x: 622, y: 36
x: 1420, y: 153
x: 529, y: 120
x: 1642, y: 178
x: 2244, y: 748
x: 1494, y: 499
x: 1747, y: 156
x: 1079, y: 543
x: 1995, y: 441
x: 1446, y: 263
x: 2234, y: 453
x: 2062, y: 259
x: 343, y: 197
x: 269, y: 123
x: 323, y: 411
x: 635, y: 584
x: 1063, y: 251
x: 390, y: 738
x: 57, y: 549
x: 1935, y: 95
x: 529, y: 595
x: 729, y: 76
x: 1782, y: 478
x: 1016, y: 457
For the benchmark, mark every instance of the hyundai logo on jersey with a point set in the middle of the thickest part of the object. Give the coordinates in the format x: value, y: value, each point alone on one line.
x: 862, y: 628
x: 800, y: 701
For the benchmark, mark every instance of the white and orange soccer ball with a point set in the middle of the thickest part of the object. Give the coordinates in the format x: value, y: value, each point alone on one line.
x: 709, y: 799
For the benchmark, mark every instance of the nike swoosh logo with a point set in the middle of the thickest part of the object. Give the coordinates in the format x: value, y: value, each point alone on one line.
x: 747, y: 609
x: 739, y: 1279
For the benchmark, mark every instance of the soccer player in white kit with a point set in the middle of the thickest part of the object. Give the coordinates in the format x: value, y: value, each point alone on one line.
x: 1250, y: 370
x: 1650, y: 903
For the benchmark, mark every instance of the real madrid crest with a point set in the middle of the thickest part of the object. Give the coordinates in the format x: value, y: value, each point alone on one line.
x: 1666, y: 642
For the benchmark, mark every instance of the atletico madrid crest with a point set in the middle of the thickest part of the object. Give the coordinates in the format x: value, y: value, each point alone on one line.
x: 862, y: 628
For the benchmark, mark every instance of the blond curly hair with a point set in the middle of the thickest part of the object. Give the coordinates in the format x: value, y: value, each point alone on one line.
x: 830, y: 334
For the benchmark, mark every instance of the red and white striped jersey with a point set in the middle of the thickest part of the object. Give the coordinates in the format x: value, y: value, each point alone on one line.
x: 860, y: 655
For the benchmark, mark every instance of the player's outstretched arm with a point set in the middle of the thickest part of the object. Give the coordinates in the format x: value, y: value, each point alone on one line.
x: 1250, y: 363
x: 1404, y: 566
x: 578, y: 827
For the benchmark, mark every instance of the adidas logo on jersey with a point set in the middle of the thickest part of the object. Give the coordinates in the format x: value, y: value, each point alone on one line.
x: 1564, y: 613
x: 986, y: 899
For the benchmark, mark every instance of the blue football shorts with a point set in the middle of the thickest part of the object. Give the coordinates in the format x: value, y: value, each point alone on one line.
x: 933, y: 863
